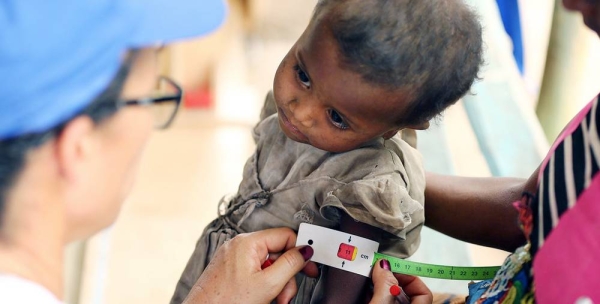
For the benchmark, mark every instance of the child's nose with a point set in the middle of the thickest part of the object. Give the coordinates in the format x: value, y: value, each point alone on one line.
x: 302, y: 112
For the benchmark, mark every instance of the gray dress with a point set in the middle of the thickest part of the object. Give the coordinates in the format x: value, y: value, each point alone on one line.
x: 286, y: 183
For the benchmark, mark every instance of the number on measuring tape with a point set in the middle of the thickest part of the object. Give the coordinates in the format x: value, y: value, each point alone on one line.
x: 438, y: 271
x: 338, y: 249
x: 355, y: 254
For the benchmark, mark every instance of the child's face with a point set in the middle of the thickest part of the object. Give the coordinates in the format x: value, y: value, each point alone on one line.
x: 327, y: 106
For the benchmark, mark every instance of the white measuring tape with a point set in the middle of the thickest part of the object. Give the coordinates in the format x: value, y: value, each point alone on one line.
x: 356, y: 254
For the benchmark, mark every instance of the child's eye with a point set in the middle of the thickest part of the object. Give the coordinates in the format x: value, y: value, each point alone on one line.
x: 302, y: 77
x: 337, y: 120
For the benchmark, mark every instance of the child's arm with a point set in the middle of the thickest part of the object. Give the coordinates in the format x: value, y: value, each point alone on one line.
x: 343, y: 286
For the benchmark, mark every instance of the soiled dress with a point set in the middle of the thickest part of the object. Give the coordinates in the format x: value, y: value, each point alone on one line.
x: 286, y: 183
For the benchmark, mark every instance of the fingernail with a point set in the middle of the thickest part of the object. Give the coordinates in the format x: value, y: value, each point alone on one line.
x: 395, y: 290
x: 385, y: 264
x: 267, y: 263
x: 307, y: 252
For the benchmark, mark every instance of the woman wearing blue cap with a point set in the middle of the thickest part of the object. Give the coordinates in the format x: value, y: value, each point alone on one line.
x: 78, y: 79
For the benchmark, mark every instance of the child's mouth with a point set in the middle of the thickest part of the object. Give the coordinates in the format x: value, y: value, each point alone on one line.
x: 299, y: 136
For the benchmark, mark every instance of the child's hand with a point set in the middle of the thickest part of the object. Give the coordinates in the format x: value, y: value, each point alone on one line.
x: 385, y: 282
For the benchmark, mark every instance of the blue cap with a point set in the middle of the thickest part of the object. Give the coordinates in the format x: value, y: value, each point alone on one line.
x: 56, y: 56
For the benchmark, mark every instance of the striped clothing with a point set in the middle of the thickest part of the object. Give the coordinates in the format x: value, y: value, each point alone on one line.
x: 566, y: 214
x: 561, y: 264
x: 568, y: 171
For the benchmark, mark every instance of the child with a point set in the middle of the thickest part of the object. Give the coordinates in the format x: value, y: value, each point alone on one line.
x: 362, y: 71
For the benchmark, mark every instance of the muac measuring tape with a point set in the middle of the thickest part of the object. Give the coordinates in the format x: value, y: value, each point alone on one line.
x: 356, y: 254
x: 438, y: 271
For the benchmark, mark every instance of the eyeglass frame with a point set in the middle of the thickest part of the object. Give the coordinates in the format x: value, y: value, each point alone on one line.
x: 36, y: 139
x: 147, y: 101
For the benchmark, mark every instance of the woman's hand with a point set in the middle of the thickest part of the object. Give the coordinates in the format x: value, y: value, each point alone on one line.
x: 384, y: 279
x: 235, y: 275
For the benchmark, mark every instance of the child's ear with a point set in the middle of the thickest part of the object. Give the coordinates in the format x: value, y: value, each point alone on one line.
x: 421, y: 126
x: 389, y: 134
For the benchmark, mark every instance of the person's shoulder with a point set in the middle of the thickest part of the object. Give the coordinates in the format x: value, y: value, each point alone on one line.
x: 404, y: 150
x: 380, y: 155
x: 17, y: 290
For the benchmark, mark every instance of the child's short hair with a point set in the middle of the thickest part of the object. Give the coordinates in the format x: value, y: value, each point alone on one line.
x: 431, y: 49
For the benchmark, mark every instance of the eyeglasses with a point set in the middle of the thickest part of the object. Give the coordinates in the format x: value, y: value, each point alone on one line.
x: 164, y: 102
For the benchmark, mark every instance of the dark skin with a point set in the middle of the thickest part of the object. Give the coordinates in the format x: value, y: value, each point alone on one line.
x: 322, y: 103
x: 343, y: 286
x: 482, y: 214
x: 332, y: 108
x: 490, y: 198
x: 481, y: 208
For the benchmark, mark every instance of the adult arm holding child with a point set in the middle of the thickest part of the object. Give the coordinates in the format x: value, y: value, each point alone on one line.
x: 496, y: 223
